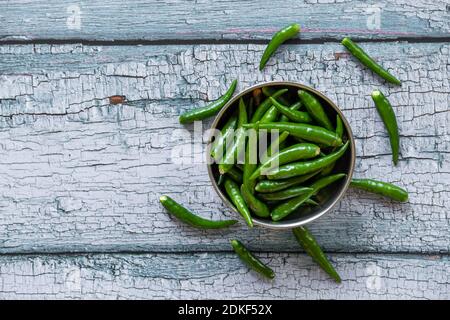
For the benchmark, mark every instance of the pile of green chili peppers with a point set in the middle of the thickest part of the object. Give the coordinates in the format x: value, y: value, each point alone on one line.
x: 308, y: 150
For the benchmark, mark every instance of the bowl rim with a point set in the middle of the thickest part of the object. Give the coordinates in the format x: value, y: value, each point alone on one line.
x: 289, y: 224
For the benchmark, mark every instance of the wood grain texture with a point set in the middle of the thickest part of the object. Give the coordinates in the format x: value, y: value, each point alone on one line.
x: 236, y: 20
x: 78, y: 174
x: 218, y: 276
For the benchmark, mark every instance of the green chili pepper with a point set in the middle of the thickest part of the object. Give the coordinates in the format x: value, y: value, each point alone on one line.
x: 315, y: 109
x: 227, y: 131
x: 235, y: 174
x: 257, y: 206
x: 364, y: 58
x: 285, y: 194
x: 293, y: 153
x: 294, y: 107
x: 340, y: 132
x: 312, y: 248
x: 290, y: 206
x: 270, y: 92
x: 326, y: 181
x: 390, y: 122
x: 250, y: 164
x: 236, y: 198
x: 293, y: 115
x: 301, y: 130
x: 209, y: 110
x: 220, y: 180
x: 300, y: 168
x: 274, y: 146
x: 385, y: 189
x: 250, y: 260
x: 268, y: 186
x: 188, y: 217
x: 265, y: 105
x: 239, y: 144
x: 278, y: 38
x: 271, y: 114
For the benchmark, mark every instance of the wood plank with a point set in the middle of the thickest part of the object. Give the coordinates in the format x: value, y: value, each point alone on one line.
x: 218, y: 275
x: 231, y: 20
x: 78, y: 174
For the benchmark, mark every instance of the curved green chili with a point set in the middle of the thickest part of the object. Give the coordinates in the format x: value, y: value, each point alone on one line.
x: 250, y: 260
x: 257, y: 206
x: 300, y: 168
x: 315, y: 109
x: 312, y: 248
x: 268, y: 186
x: 294, y: 107
x: 236, y: 198
x: 301, y: 130
x: 209, y: 110
x: 293, y: 153
x: 383, y: 188
x: 270, y: 91
x: 271, y: 114
x: 278, y: 38
x: 239, y: 144
x: 366, y: 60
x: 390, y: 122
x: 291, y: 114
x: 285, y: 194
x: 340, y: 132
x: 286, y: 208
x: 265, y: 105
x: 188, y: 217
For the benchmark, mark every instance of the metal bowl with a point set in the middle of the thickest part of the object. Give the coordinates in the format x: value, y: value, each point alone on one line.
x: 345, y: 164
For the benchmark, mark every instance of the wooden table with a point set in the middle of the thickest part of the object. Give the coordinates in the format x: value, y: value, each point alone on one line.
x: 80, y: 178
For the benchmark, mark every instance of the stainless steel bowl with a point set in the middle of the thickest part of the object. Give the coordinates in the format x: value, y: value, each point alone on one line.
x: 345, y: 164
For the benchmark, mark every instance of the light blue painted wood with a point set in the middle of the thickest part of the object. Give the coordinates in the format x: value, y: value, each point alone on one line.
x: 77, y: 174
x: 223, y: 19
x: 218, y: 276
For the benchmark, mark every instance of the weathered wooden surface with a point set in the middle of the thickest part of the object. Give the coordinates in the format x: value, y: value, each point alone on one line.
x: 219, y: 275
x: 78, y: 174
x: 190, y: 20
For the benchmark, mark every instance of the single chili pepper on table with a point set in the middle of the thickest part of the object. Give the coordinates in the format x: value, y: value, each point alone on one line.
x: 278, y: 38
x: 312, y: 248
x: 250, y: 260
x: 234, y: 152
x: 390, y: 122
x: 269, y: 186
x: 366, y: 60
x: 379, y: 187
x: 292, y: 114
x: 188, y: 217
x: 236, y: 198
x: 301, y: 130
x: 256, y: 206
x: 209, y: 110
x: 340, y: 132
x: 300, y: 168
x: 285, y: 194
x: 286, y: 208
x: 265, y: 105
x: 315, y: 109
x: 293, y: 153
